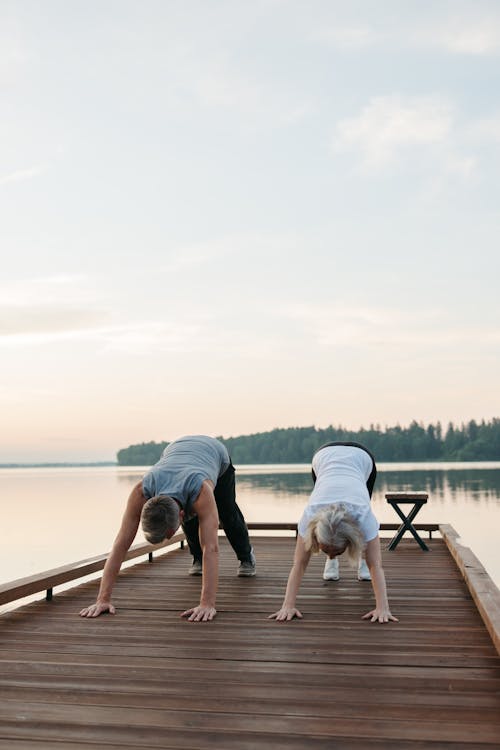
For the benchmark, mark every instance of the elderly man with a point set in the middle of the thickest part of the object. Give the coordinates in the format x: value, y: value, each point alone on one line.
x: 192, y: 484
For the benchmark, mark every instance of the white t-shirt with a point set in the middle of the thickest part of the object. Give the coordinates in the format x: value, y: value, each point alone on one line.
x: 341, y: 475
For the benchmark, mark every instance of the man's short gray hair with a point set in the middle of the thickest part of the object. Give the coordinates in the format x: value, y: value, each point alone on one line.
x: 334, y: 527
x: 159, y: 514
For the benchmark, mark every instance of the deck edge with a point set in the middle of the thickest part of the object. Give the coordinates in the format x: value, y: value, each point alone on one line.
x: 483, y: 589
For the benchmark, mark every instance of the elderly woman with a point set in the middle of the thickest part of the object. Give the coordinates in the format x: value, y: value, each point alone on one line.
x: 338, y: 519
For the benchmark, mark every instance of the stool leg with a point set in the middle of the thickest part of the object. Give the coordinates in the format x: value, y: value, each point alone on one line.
x: 407, y: 526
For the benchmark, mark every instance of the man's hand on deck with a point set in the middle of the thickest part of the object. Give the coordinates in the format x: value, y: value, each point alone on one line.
x: 97, y: 609
x: 200, y: 613
x: 380, y: 615
x: 285, y: 614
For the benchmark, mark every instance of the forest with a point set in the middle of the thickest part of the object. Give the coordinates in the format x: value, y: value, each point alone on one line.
x: 471, y: 441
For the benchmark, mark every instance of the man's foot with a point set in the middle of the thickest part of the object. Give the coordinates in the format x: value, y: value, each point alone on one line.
x: 363, y: 571
x: 196, y: 568
x: 246, y: 568
x: 331, y: 571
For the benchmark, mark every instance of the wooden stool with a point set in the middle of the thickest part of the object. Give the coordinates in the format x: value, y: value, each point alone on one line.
x: 400, y: 498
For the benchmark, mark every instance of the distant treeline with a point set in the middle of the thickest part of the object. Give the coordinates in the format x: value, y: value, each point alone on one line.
x: 474, y: 441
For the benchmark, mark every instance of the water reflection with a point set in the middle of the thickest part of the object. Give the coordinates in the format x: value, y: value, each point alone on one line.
x: 279, y: 484
x: 445, y: 481
x: 467, y: 498
x: 71, y: 513
x: 481, y: 484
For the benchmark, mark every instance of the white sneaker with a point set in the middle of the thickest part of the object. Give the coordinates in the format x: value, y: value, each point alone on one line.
x: 363, y: 571
x: 331, y: 571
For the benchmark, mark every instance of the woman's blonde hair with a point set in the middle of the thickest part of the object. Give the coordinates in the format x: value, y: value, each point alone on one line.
x: 159, y: 514
x: 333, y: 526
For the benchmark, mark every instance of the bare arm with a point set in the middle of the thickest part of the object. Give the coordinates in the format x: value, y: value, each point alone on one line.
x: 208, y: 518
x: 125, y: 537
x: 373, y: 555
x: 300, y: 562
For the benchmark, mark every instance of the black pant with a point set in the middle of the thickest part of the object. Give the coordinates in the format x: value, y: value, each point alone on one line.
x: 230, y: 517
x: 373, y: 475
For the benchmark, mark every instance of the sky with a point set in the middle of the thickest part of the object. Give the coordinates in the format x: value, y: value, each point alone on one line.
x: 222, y: 217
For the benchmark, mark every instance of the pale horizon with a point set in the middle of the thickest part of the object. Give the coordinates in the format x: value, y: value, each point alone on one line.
x: 229, y: 217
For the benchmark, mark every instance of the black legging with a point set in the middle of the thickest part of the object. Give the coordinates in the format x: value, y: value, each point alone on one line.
x: 230, y: 517
x: 373, y: 475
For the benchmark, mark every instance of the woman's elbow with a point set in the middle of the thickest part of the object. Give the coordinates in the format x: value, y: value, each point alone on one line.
x: 375, y: 567
x: 211, y: 549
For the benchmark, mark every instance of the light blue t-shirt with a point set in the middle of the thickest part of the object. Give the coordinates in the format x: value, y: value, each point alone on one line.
x: 184, y: 466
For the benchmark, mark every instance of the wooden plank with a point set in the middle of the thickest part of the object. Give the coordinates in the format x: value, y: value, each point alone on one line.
x: 484, y: 591
x: 14, y: 590
x: 138, y: 679
x: 337, y: 704
x: 24, y: 587
x: 66, y: 721
x: 406, y: 496
x: 242, y: 742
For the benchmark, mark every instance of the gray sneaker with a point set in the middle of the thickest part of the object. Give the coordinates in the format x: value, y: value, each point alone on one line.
x: 196, y: 568
x: 246, y: 568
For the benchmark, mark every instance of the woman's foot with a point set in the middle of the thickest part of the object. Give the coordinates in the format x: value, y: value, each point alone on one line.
x: 363, y: 571
x: 331, y: 571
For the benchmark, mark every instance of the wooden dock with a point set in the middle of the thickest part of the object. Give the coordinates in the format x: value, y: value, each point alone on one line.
x: 147, y: 679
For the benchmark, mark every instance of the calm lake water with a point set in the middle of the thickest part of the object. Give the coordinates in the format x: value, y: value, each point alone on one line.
x: 50, y: 517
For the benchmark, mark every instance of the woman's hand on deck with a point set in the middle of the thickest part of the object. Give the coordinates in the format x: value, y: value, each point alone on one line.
x: 97, y: 609
x: 285, y: 614
x: 200, y: 613
x: 379, y: 615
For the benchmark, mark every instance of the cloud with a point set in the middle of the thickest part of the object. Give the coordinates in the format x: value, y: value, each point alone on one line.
x: 21, y: 175
x: 390, y: 125
x: 45, y: 319
x: 348, y: 37
x: 65, y: 287
x: 463, y: 167
x: 339, y: 325
x: 331, y: 326
x: 37, y: 327
x: 486, y: 128
x: 249, y: 248
x: 470, y: 34
x: 219, y: 86
x: 64, y: 307
x: 150, y: 338
x: 14, y: 53
x: 48, y: 308
x: 215, y: 80
x: 465, y: 37
x: 195, y: 255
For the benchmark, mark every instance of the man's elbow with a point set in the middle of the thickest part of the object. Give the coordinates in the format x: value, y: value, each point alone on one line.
x: 121, y: 545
